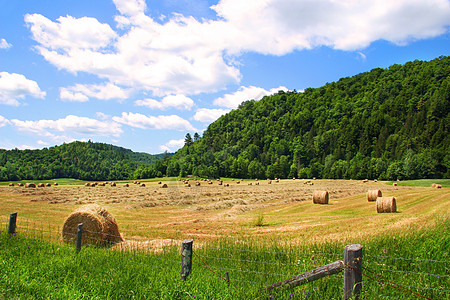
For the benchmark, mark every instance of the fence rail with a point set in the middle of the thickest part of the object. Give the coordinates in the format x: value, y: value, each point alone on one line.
x: 236, y: 266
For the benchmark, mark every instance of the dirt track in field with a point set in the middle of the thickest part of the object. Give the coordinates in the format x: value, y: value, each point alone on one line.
x: 282, y: 209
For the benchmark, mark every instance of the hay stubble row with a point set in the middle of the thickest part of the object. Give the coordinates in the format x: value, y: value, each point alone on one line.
x: 212, y: 210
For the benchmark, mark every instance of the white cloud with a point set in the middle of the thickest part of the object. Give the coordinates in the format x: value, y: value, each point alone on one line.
x: 3, y: 121
x: 209, y: 115
x: 172, y: 145
x: 16, y: 86
x: 172, y: 122
x: 70, y: 125
x: 176, y: 101
x: 188, y: 56
x: 244, y: 94
x: 4, y: 44
x: 82, y: 93
x: 69, y: 33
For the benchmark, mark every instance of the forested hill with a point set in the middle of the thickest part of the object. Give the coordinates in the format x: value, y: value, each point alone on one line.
x: 79, y: 160
x: 386, y: 124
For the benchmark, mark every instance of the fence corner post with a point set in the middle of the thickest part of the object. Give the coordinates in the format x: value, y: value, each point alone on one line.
x: 12, y: 223
x: 79, y: 236
x: 186, y: 258
x: 352, y: 271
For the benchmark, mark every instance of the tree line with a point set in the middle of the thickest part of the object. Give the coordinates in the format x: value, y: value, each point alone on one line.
x: 384, y: 124
x: 79, y: 160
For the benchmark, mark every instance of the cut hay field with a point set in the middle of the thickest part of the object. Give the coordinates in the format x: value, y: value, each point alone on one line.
x: 282, y: 210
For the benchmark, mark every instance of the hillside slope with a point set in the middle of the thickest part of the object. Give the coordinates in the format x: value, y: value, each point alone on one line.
x: 387, y: 123
x: 79, y: 160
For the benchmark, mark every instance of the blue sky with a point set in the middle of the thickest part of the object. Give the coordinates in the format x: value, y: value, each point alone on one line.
x: 141, y: 74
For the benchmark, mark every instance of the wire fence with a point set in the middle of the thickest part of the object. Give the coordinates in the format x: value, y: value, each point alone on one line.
x: 387, y: 276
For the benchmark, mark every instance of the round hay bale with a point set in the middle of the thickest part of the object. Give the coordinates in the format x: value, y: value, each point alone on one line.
x: 257, y: 183
x: 386, y: 205
x: 433, y: 185
x: 99, y: 226
x: 55, y: 184
x: 48, y: 184
x: 187, y: 185
x: 113, y: 184
x: 220, y: 182
x: 20, y: 184
x: 372, y: 195
x: 394, y: 184
x: 126, y: 185
x: 11, y: 184
x: 320, y: 197
x: 197, y: 183
x: 238, y: 182
x: 87, y: 184
x: 269, y: 182
x: 101, y: 184
x: 159, y: 182
x: 438, y: 186
x: 30, y: 185
x: 142, y: 185
x: 41, y: 185
x: 164, y: 186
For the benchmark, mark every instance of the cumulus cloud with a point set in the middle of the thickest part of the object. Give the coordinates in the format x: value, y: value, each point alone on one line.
x: 245, y: 93
x: 183, y: 55
x: 70, y: 125
x: 171, y: 122
x: 172, y: 145
x: 3, y: 121
x: 82, y: 93
x: 16, y: 86
x: 4, y: 44
x: 207, y: 115
x: 175, y: 101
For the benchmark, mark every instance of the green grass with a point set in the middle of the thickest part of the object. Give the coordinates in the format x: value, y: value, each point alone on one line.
x: 31, y: 268
x: 422, y: 182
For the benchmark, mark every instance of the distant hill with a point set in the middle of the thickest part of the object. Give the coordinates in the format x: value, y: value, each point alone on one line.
x: 79, y: 160
x: 387, y: 123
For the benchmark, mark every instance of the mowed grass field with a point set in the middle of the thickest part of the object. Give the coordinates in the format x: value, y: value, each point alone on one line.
x: 280, y: 210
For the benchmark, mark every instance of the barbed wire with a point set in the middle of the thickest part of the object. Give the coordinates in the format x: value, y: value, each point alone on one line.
x: 272, y: 252
x: 408, y: 259
x: 410, y: 272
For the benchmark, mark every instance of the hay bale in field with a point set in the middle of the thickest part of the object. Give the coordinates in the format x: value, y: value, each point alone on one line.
x: 159, y: 182
x: 113, y: 184
x: 438, y: 186
x: 11, y: 184
x: 48, y: 184
x: 375, y: 180
x: 126, y: 185
x: 20, y: 184
x: 257, y: 183
x: 30, y: 185
x: 164, y: 186
x: 55, y: 184
x: 226, y: 185
x: 197, y: 183
x: 187, y: 185
x: 101, y: 184
x: 269, y: 182
x: 99, y: 226
x: 372, y: 195
x: 87, y: 184
x: 142, y: 185
x: 394, y: 184
x: 220, y: 182
x: 433, y: 185
x: 320, y: 197
x: 238, y: 182
x: 365, y: 180
x: 249, y: 183
x: 41, y: 185
x: 386, y: 205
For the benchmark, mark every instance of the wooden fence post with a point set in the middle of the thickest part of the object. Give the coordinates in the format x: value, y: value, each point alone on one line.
x: 186, y: 258
x: 12, y: 223
x: 352, y: 272
x: 79, y: 236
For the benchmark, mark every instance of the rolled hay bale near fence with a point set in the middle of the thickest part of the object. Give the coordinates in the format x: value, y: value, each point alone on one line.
x: 30, y: 185
x: 386, y: 205
x: 320, y: 197
x: 99, y: 226
x: 372, y: 195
